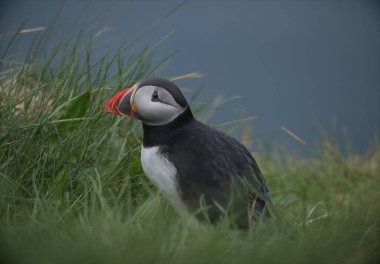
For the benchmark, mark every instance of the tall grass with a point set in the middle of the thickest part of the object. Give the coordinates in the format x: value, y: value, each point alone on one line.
x: 72, y: 188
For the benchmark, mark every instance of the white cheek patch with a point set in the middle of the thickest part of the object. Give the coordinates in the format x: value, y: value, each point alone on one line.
x: 155, y: 112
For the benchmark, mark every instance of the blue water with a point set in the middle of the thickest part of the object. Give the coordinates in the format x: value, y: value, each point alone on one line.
x: 305, y: 65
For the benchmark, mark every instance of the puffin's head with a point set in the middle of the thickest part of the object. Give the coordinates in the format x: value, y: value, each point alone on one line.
x: 154, y: 101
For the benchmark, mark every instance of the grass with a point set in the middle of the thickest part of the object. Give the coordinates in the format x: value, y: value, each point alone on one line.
x: 72, y: 189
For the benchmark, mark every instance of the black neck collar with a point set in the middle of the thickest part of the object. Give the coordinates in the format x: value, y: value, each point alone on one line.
x: 160, y: 135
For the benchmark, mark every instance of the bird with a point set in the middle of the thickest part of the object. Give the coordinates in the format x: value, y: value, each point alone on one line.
x: 202, y: 171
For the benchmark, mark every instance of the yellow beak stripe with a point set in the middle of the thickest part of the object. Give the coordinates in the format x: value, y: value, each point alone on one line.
x: 134, y: 108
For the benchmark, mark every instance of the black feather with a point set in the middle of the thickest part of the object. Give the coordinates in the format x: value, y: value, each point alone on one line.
x: 169, y: 86
x: 212, y: 166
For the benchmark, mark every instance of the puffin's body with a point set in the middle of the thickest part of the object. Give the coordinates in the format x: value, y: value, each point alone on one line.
x: 196, y: 166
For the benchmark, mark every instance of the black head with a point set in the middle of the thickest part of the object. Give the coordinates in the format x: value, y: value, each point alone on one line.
x: 154, y: 101
x: 167, y: 85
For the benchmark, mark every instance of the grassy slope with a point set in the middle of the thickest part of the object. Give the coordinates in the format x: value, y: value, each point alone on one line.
x: 72, y: 189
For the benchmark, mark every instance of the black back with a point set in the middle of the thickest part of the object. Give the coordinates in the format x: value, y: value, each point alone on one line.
x: 209, y: 163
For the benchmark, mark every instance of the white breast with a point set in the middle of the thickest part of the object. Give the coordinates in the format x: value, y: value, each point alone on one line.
x: 162, y: 173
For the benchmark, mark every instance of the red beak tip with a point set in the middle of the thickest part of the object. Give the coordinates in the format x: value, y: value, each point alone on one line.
x: 106, y: 109
x: 111, y: 105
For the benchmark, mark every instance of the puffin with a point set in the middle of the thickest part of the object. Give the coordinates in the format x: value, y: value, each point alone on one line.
x: 203, y: 172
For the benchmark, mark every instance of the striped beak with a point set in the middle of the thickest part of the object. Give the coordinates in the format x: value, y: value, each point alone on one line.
x: 120, y: 103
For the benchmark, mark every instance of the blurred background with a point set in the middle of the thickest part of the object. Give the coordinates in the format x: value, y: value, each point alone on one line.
x: 307, y: 66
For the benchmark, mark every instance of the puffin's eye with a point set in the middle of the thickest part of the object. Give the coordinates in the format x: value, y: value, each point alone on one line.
x: 155, y: 96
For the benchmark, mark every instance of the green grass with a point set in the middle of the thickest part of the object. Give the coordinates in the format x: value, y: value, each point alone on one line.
x: 72, y: 189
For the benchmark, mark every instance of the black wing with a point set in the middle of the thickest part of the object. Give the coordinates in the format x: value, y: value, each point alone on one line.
x: 208, y: 162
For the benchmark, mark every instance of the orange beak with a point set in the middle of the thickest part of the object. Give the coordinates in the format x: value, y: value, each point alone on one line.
x: 119, y: 104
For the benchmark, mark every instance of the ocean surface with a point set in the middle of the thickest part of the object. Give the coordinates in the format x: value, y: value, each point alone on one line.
x: 301, y: 66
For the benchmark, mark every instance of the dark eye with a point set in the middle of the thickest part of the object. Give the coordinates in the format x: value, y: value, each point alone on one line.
x: 155, y: 96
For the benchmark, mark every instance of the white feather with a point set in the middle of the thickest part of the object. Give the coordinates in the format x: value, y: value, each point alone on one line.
x: 163, y: 174
x: 155, y: 112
